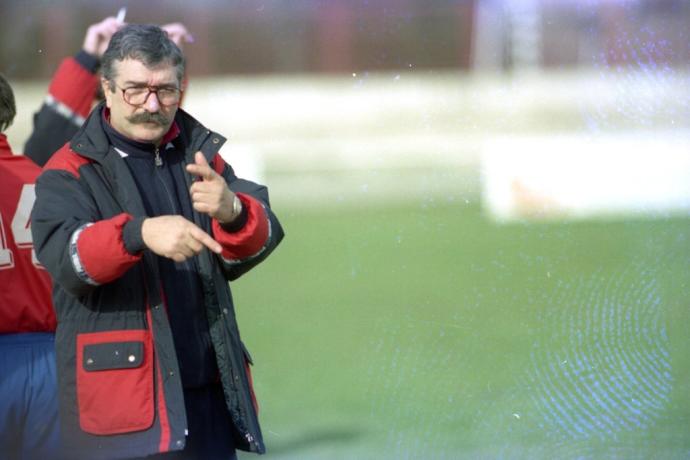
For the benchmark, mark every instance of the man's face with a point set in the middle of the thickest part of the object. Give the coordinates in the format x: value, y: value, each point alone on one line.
x: 149, y: 120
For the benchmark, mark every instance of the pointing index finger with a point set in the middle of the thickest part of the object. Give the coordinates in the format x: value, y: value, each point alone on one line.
x: 201, y: 168
x: 206, y: 239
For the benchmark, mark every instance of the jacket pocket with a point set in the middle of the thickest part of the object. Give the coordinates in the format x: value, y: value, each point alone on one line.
x: 115, y: 381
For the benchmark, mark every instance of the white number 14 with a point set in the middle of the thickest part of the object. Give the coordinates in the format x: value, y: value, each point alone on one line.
x: 21, y: 229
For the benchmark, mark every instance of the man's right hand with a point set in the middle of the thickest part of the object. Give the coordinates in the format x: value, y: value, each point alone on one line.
x: 98, y: 36
x: 176, y: 238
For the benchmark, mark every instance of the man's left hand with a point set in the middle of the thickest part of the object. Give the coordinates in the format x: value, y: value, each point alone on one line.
x: 210, y: 194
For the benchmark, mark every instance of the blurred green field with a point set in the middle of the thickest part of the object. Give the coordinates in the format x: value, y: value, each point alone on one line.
x: 428, y: 331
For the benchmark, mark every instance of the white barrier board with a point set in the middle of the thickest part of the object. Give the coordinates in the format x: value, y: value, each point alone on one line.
x: 571, y: 176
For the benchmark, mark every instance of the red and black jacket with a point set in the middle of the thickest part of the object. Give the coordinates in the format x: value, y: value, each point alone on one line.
x: 118, y: 375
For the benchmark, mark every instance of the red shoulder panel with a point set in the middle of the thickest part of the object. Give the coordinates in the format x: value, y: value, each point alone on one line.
x: 66, y: 159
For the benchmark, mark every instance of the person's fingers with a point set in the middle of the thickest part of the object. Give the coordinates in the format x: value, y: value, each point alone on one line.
x: 200, y: 159
x: 205, y: 196
x: 206, y: 239
x: 107, y: 26
x: 195, y: 245
x: 113, y: 27
x: 206, y: 201
x: 205, y: 173
x: 201, y: 168
x: 201, y: 207
x: 205, y: 190
x: 98, y: 35
x: 110, y: 22
x: 178, y: 33
x: 197, y: 196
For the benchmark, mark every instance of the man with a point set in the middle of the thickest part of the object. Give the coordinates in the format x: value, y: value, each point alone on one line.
x: 142, y: 225
x: 28, y: 407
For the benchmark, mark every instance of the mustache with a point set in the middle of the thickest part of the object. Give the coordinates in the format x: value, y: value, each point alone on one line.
x: 149, y: 117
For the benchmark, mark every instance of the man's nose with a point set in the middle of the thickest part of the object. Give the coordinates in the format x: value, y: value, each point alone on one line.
x: 152, y: 104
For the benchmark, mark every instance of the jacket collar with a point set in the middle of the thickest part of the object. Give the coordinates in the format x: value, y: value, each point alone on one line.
x: 92, y: 142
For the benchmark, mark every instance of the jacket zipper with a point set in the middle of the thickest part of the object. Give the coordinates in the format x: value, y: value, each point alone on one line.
x: 158, y: 160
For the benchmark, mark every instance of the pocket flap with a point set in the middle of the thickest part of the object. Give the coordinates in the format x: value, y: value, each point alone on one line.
x: 113, y: 355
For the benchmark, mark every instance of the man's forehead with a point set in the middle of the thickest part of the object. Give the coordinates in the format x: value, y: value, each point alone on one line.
x: 136, y: 71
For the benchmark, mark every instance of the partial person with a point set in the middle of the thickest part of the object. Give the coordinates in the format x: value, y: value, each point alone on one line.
x: 142, y: 226
x: 29, y: 425
x: 28, y: 405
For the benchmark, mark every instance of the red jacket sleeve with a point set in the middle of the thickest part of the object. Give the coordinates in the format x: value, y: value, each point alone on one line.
x: 73, y: 87
x: 251, y: 239
x: 98, y: 252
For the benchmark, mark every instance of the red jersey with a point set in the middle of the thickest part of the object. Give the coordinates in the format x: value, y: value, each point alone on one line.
x: 25, y: 287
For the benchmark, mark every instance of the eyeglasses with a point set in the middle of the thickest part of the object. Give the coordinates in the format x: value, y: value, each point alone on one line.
x: 138, y: 95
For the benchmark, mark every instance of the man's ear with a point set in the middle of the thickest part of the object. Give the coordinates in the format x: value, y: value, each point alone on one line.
x: 107, y: 93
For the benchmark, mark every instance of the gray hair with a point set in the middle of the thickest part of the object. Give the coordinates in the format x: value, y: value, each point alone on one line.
x: 8, y: 109
x: 146, y: 43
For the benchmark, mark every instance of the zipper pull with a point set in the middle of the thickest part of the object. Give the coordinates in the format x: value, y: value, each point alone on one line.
x: 158, y: 160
